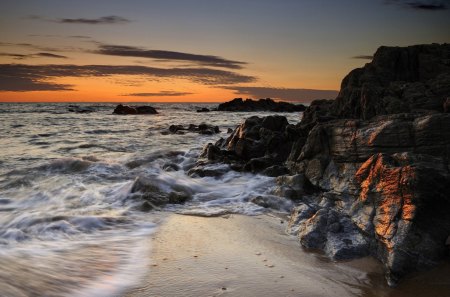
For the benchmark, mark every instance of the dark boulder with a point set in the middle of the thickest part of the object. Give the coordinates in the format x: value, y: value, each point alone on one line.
x: 125, y: 110
x: 204, y: 109
x: 153, y: 194
x: 203, y: 128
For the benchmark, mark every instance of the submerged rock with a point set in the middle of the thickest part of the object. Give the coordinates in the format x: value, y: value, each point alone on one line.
x: 268, y: 104
x: 124, y: 110
x: 154, y: 196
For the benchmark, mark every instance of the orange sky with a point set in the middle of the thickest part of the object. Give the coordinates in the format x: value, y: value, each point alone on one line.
x: 166, y: 51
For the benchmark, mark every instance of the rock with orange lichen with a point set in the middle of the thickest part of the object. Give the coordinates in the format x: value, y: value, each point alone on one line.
x: 390, y: 176
x: 403, y: 205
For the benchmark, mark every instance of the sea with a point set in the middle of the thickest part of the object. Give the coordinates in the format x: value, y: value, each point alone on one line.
x: 68, y: 224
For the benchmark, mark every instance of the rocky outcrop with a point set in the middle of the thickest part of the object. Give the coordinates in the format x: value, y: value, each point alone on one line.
x: 387, y: 177
x: 203, y: 109
x: 257, y: 145
x: 268, y: 104
x: 398, y: 80
x: 370, y: 170
x: 124, y: 110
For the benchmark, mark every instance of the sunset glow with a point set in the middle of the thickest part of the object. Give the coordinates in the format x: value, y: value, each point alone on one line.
x: 202, y: 51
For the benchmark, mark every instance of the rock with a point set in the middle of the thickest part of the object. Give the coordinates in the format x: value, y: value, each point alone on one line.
x: 255, y: 145
x: 398, y: 80
x: 334, y: 233
x: 151, y: 191
x: 268, y: 104
x: 229, y: 130
x: 272, y: 202
x: 201, y: 129
x: 447, y: 105
x: 275, y: 170
x: 404, y: 204
x: 124, y: 110
x: 204, y: 109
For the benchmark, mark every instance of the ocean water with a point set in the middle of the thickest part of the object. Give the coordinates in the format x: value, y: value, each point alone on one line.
x: 68, y: 224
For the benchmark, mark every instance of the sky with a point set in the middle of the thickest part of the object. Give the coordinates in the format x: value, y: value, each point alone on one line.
x: 200, y: 50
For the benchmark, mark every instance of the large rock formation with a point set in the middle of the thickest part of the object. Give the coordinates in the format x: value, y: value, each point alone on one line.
x: 371, y: 169
x: 268, y: 104
x: 399, y: 79
x: 389, y: 177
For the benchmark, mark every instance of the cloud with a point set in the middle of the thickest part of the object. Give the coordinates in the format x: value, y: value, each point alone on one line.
x: 163, y: 55
x: 28, y: 56
x: 288, y: 94
x: 111, y: 19
x: 50, y: 55
x: 363, y: 57
x: 22, y: 77
x: 79, y: 36
x: 159, y: 94
x: 430, y: 5
x: 36, y: 47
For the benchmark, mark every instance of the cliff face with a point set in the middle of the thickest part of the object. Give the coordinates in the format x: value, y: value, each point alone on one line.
x: 399, y: 79
x: 370, y: 170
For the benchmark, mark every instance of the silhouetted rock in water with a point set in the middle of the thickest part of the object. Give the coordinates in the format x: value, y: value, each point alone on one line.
x: 268, y: 104
x: 79, y: 109
x: 204, y: 109
x: 124, y: 110
x: 201, y: 129
x: 371, y: 168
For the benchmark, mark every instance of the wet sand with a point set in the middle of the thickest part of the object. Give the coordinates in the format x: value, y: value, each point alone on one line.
x: 252, y: 256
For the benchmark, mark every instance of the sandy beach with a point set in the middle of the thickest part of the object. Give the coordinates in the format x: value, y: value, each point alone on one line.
x: 239, y: 255
x: 245, y: 256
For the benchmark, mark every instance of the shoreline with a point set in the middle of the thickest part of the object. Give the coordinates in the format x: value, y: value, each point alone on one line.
x: 237, y: 255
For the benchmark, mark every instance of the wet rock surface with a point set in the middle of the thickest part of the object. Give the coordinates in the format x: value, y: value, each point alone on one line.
x: 153, y: 194
x: 268, y: 104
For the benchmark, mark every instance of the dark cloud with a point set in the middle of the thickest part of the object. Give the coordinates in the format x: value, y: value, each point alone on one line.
x: 21, y: 77
x: 111, y: 19
x: 15, y: 56
x: 50, y: 55
x: 159, y: 94
x: 131, y: 51
x: 299, y: 95
x: 363, y: 57
x: 30, y: 46
x: 79, y: 37
x: 28, y: 56
x: 430, y: 5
